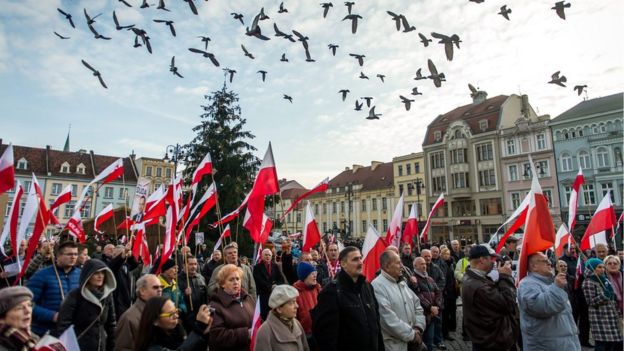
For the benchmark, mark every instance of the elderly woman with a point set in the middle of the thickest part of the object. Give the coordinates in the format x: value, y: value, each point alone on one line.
x: 15, y: 317
x: 160, y: 328
x: 308, y: 289
x: 282, y: 331
x: 614, y: 274
x: 604, y: 320
x: 234, y: 311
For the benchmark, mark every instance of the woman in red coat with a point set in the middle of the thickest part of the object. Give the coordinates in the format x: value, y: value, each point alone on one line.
x: 308, y: 293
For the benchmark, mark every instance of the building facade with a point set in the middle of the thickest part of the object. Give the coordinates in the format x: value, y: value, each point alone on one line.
x: 290, y: 190
x: 156, y: 170
x: 410, y: 180
x: 589, y: 136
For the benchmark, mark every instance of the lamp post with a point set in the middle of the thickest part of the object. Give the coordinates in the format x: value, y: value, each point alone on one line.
x: 175, y: 153
x: 348, y: 195
x: 420, y: 184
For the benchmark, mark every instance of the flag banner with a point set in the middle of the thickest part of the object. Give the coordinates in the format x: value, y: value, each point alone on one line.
x: 602, y: 221
x: 7, y: 170
x: 579, y: 180
x: 203, y: 168
x: 141, y: 193
x: 311, y: 234
x: 439, y: 202
x: 393, y: 235
x: 10, y: 228
x: 411, y: 227
x: 321, y: 187
x: 372, y: 249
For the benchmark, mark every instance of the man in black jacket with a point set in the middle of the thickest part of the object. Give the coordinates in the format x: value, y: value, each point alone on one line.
x: 121, y: 263
x: 267, y: 275
x: 346, y: 316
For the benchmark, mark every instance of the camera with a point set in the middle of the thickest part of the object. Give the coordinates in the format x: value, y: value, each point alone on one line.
x: 505, y: 258
x: 211, y: 310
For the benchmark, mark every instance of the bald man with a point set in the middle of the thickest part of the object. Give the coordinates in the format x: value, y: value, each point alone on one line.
x: 267, y: 275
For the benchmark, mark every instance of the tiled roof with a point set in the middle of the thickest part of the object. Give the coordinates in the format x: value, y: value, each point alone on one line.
x: 36, y: 158
x: 472, y: 114
x: 590, y: 107
x: 381, y: 177
x: 56, y: 158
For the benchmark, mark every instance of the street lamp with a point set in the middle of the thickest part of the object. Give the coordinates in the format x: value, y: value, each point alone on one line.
x: 175, y: 153
x: 348, y: 195
x: 420, y: 184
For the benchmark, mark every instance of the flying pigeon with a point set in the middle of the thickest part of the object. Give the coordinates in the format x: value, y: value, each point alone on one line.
x: 344, y: 93
x: 407, y: 102
x: 504, y: 11
x: 372, y: 114
x: 560, y: 7
x: 95, y: 73
x: 558, y: 80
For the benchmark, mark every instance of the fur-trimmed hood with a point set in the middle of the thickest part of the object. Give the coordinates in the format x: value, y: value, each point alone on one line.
x: 110, y: 284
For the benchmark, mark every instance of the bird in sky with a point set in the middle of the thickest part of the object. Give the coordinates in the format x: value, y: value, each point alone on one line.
x: 448, y: 42
x: 382, y: 77
x: 168, y: 23
x: 580, y: 88
x: 424, y: 39
x: 358, y: 106
x: 208, y: 55
x: 161, y: 6
x: 263, y: 73
x: 367, y: 99
x: 560, y: 7
x: 344, y: 93
x: 60, y: 36
x: 437, y: 78
x: 144, y: 37
x: 67, y: 16
x: 282, y: 9
x: 555, y: 78
x: 125, y: 3
x: 136, y: 42
x: 262, y: 15
x: 117, y: 25
x: 95, y: 72
x: 407, y: 102
x: 359, y: 58
x: 363, y: 76
x: 504, y: 11
x: 354, y: 21
x: 247, y: 52
x: 419, y: 75
x: 415, y: 91
x: 349, y: 5
x: 396, y: 18
x: 90, y: 20
x: 205, y: 40
x: 96, y: 34
x: 173, y: 69
x: 192, y: 6
x: 230, y: 72
x: 238, y: 16
x: 333, y: 48
x: 406, y: 26
x: 284, y: 59
x: 289, y: 98
x: 372, y: 114
x: 279, y: 33
x: 144, y: 5
x: 326, y: 6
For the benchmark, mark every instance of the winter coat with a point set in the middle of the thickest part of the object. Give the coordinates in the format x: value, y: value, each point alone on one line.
x: 172, y: 291
x: 47, y: 296
x: 490, y: 310
x: 546, y: 315
x: 400, y: 312
x: 93, y: 317
x: 231, y: 322
x: 346, y: 316
x: 12, y: 339
x: 128, y: 327
x: 122, y: 269
x: 265, y: 283
x: 307, y: 299
x: 199, y: 291
x: 248, y: 282
x: 450, y: 288
x: 604, y: 321
x: 429, y: 294
x: 438, y: 274
x: 208, y: 268
x: 176, y: 340
x: 289, y: 268
x: 274, y: 335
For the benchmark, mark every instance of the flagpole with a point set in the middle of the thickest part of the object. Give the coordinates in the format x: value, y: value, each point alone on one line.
x: 115, y: 226
x: 237, y: 223
x: 218, y: 207
x: 282, y: 209
x: 188, y: 284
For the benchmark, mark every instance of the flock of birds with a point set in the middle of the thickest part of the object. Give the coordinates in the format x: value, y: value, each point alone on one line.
x: 451, y: 43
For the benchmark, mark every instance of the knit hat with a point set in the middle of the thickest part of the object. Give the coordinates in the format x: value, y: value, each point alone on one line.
x: 282, y: 294
x: 592, y: 263
x: 169, y: 263
x: 304, y: 269
x: 13, y: 296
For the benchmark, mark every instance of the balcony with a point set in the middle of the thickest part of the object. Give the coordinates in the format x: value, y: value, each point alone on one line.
x: 604, y: 136
x: 460, y: 192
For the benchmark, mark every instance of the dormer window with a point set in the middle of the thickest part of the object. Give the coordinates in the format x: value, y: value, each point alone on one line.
x: 437, y: 135
x: 65, y: 167
x: 22, y: 163
x: 80, y: 169
x: 483, y: 125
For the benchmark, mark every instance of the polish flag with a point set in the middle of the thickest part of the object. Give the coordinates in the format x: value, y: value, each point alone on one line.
x: 311, y: 234
x: 75, y: 228
x: 170, y: 238
x: 207, y: 202
x: 563, y: 237
x: 265, y: 184
x: 7, y: 170
x: 393, y: 235
x: 155, y: 204
x: 411, y: 227
x: 265, y: 231
x: 103, y: 216
x: 227, y: 218
x: 255, y: 325
x: 139, y: 246
x: 539, y: 230
x: 10, y: 228
x: 204, y: 167
x: 110, y: 173
x: 226, y: 233
x: 31, y: 208
x: 439, y: 202
x: 518, y: 217
x: 372, y: 249
x: 578, y: 273
x: 602, y: 221
x: 576, y: 190
x: 126, y: 224
x: 63, y: 198
x: 321, y: 187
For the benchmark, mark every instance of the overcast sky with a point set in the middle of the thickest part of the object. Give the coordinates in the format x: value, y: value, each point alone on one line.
x: 44, y: 87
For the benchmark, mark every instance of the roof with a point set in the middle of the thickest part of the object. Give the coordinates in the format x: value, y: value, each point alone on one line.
x: 36, y: 158
x: 591, y: 107
x: 472, y: 114
x: 56, y: 158
x: 381, y: 177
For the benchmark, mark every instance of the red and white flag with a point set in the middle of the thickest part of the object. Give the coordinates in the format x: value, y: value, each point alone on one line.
x: 75, y: 228
x: 322, y: 186
x: 155, y: 204
x: 31, y: 208
x: 393, y: 235
x: 372, y: 249
x: 110, y: 173
x: 265, y: 231
x: 203, y: 168
x: 226, y: 233
x: 572, y: 206
x: 255, y: 325
x: 7, y: 170
x: 205, y: 204
x: 539, y: 230
x: 602, y: 221
x: 311, y: 234
x: 563, y: 237
x: 102, y: 217
x: 411, y: 227
x: 170, y: 238
x: 518, y: 217
x: 126, y: 224
x: 139, y: 246
x: 266, y: 183
x: 63, y: 198
x: 439, y: 202
x: 10, y: 228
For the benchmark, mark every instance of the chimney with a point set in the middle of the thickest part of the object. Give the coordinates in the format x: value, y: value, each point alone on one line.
x: 375, y: 164
x: 479, y: 97
x: 524, y: 109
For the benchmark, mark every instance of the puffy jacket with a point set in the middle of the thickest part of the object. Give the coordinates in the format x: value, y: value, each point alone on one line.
x: 91, y: 313
x: 47, y: 296
x: 428, y: 292
x: 307, y: 299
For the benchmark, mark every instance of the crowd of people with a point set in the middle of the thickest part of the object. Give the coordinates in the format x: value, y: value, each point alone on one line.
x: 317, y: 300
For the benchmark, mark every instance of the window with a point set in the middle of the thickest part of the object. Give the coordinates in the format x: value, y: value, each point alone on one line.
x: 122, y: 193
x: 324, y: 208
x: 584, y: 160
x: 513, y: 173
x: 400, y: 170
x: 542, y: 168
x: 69, y: 209
x: 374, y: 204
x: 384, y: 203
x: 86, y: 210
x: 458, y: 134
x: 460, y: 180
x: 74, y: 189
x: 603, y: 128
x: 437, y: 135
x: 298, y: 216
x: 22, y: 163
x: 487, y: 177
x: 458, y: 156
x: 548, y: 196
x: 363, y: 205
x: 400, y: 189
x: 364, y: 226
x: 566, y: 162
x: 463, y: 208
x: 159, y: 172
x: 385, y: 225
x: 57, y: 188
x: 511, y: 147
x: 485, y: 152
x: 65, y: 167
x: 316, y: 207
x: 617, y: 154
x: 168, y: 172
x: 80, y: 169
x: 148, y: 171
x: 602, y: 157
x: 439, y: 184
x: 108, y: 192
x: 607, y: 187
x: 437, y: 160
x: 288, y: 218
x: 375, y: 224
x: 408, y: 169
x: 324, y: 227
x: 515, y: 200
x: 541, y: 141
x: 491, y: 206
x: 410, y: 189
x: 595, y: 129
x: 334, y: 207
x: 342, y: 208
x: 483, y: 125
x: 27, y: 184
x: 417, y: 167
x: 589, y: 197
x: 568, y: 191
x: 8, y: 208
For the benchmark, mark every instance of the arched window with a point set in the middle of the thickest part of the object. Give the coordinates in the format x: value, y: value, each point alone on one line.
x: 584, y: 160
x: 566, y: 162
x: 617, y: 155
x: 602, y: 157
x: 22, y: 163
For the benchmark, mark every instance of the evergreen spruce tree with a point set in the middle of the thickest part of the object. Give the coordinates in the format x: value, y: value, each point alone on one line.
x: 221, y: 133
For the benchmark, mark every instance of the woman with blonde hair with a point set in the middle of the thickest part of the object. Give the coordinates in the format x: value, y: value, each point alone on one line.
x: 234, y: 311
x: 604, y: 319
x: 614, y: 274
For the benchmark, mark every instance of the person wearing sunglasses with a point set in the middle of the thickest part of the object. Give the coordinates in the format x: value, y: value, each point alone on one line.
x: 160, y: 327
x: 127, y: 329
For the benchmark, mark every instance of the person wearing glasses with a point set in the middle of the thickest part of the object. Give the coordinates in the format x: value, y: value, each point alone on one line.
x: 51, y: 285
x: 16, y: 309
x: 160, y: 327
x: 546, y: 319
x: 127, y: 329
x: 614, y: 274
x: 90, y: 308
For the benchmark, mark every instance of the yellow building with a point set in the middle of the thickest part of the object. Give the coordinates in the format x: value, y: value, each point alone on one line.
x: 409, y: 180
x: 156, y: 170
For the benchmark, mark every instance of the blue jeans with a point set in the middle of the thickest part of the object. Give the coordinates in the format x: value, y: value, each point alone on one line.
x: 427, y: 336
x: 437, y: 334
